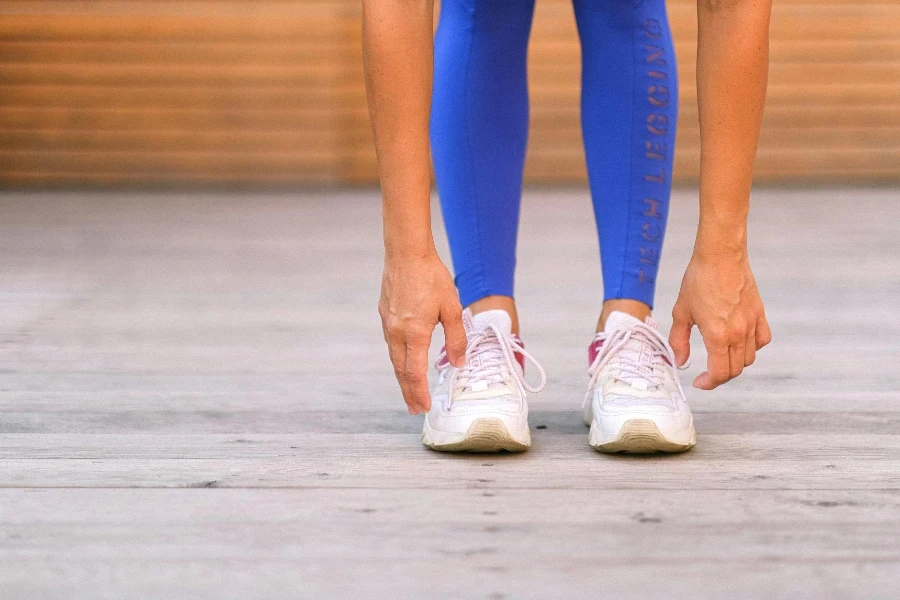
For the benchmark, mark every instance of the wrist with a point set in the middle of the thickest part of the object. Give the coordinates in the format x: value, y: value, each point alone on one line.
x: 722, y: 231
x: 407, y: 238
x: 399, y: 252
x: 715, y: 239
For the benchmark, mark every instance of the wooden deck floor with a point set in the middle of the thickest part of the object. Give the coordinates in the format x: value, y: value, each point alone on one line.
x: 196, y: 403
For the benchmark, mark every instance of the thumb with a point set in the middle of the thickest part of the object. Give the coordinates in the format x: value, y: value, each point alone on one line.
x: 455, y: 340
x: 680, y: 336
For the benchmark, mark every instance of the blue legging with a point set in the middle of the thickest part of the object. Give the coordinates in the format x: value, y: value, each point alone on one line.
x: 479, y: 131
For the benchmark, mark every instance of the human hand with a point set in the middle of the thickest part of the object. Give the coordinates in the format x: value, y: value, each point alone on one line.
x: 416, y: 294
x: 719, y: 295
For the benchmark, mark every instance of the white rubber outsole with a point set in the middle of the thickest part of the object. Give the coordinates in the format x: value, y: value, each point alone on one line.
x: 483, y: 435
x: 641, y: 436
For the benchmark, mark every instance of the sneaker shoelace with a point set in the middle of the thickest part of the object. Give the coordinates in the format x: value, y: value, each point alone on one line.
x: 613, y: 348
x: 493, y: 355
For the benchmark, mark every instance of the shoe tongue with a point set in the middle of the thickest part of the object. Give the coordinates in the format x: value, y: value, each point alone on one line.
x: 499, y: 318
x: 619, y: 320
x: 478, y: 323
x: 636, y: 349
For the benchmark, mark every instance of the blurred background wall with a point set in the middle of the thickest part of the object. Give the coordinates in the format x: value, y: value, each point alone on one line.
x: 270, y: 92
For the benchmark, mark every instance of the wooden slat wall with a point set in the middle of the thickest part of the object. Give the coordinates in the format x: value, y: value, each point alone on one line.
x: 270, y: 92
x: 834, y: 92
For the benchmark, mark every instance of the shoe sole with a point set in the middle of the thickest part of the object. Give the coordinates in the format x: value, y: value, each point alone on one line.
x: 640, y: 436
x: 483, y: 435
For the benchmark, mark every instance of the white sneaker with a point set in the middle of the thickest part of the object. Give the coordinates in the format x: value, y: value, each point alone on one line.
x: 634, y: 401
x: 481, y: 407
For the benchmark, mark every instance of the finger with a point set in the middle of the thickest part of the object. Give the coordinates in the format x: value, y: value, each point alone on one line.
x: 763, y: 333
x: 750, y: 349
x: 735, y: 359
x: 417, y: 374
x: 455, y: 340
x: 717, y: 365
x: 397, y: 353
x: 680, y: 336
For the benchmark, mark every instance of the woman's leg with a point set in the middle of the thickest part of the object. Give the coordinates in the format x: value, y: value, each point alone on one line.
x: 479, y: 130
x: 629, y: 112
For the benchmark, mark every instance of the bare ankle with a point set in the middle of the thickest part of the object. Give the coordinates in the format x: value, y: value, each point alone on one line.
x: 636, y: 309
x: 498, y: 302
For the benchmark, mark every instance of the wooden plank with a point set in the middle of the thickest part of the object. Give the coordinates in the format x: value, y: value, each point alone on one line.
x: 348, y: 96
x: 151, y: 8
x: 789, y: 23
x: 550, y: 49
x: 96, y: 26
x: 217, y: 179
x: 281, y: 142
x: 204, y: 141
x: 759, y: 437
x: 174, y: 165
x: 354, y: 515
x: 551, y: 75
x: 752, y: 509
x: 499, y: 574
x: 180, y: 74
x: 167, y: 51
x: 774, y: 116
x: 307, y: 117
x: 226, y: 412
x: 319, y: 116
x: 806, y: 74
x: 370, y: 461
x: 687, y: 173
x: 184, y: 96
x: 168, y: 163
x: 562, y: 48
x: 830, y: 93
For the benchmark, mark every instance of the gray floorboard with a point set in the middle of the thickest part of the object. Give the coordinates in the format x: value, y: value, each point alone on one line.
x: 195, y: 401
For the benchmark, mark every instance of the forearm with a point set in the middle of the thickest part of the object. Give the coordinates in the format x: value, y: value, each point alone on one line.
x: 732, y: 69
x: 398, y: 55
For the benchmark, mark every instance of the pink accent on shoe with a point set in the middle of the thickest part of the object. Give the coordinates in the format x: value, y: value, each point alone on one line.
x: 520, y: 358
x: 594, y: 350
